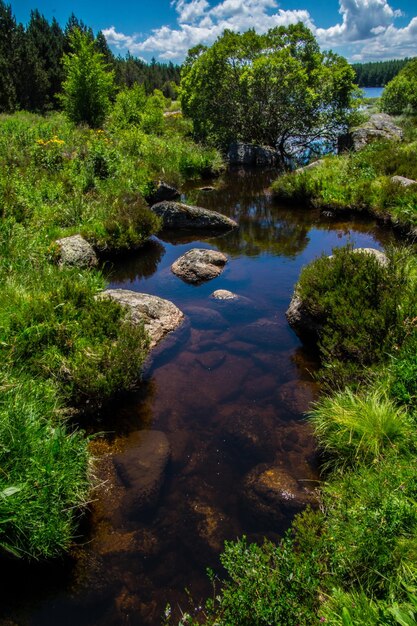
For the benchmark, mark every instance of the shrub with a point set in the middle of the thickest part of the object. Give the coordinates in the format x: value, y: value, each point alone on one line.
x: 269, y: 584
x: 360, y: 303
x: 371, y: 525
x: 361, y: 427
x: 126, y: 223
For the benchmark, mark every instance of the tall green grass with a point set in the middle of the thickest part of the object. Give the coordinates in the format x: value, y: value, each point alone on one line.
x: 45, y: 477
x: 357, y: 428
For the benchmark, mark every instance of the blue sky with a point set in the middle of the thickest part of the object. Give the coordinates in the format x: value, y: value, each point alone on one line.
x: 360, y: 29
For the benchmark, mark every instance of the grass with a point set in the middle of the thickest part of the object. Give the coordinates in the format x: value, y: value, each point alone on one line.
x: 61, y: 346
x: 356, y: 428
x: 360, y: 181
x: 45, y: 476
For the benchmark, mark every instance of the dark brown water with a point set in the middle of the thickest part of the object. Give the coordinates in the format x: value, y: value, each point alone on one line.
x: 228, y: 395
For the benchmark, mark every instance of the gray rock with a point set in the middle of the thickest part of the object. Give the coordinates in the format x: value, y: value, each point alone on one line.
x: 224, y: 294
x: 310, y: 166
x: 379, y: 126
x: 163, y: 192
x: 141, y: 468
x: 76, y: 251
x: 381, y: 257
x: 240, y: 153
x: 159, y: 316
x: 176, y: 215
x: 404, y: 182
x: 198, y: 265
x: 207, y: 188
x: 272, y: 494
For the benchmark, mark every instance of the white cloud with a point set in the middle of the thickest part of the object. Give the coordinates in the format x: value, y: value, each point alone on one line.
x: 199, y: 23
x: 362, y: 19
x: 119, y: 40
x: 392, y: 43
x: 367, y: 27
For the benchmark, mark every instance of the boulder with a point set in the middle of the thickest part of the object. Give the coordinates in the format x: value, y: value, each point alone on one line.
x: 305, y: 325
x: 76, y: 251
x: 162, y: 193
x: 176, y: 215
x: 272, y: 494
x: 240, y: 153
x: 310, y: 166
x: 199, y: 265
x: 379, y: 126
x: 159, y: 316
x: 404, y: 182
x: 141, y: 468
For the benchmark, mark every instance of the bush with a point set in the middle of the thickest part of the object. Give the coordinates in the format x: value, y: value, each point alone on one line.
x: 125, y: 224
x: 269, y: 584
x: 360, y: 303
x: 371, y: 526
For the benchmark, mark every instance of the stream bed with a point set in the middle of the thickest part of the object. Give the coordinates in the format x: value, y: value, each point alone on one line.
x: 226, y: 394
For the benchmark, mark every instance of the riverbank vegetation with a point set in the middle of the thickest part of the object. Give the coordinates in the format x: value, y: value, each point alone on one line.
x: 352, y: 561
x: 65, y: 352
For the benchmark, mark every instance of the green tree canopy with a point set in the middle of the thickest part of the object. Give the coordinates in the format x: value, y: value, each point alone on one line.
x: 276, y: 89
x: 88, y: 86
x: 400, y: 95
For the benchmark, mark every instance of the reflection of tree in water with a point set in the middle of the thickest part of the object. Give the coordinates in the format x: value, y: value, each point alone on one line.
x: 143, y: 263
x: 276, y: 237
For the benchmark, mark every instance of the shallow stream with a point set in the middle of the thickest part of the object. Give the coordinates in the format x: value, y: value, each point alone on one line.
x: 228, y: 392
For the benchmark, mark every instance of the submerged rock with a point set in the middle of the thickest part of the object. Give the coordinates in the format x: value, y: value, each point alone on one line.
x: 163, y: 192
x: 159, y: 316
x: 199, y: 265
x: 272, y: 494
x: 379, y: 126
x: 178, y: 215
x: 141, y: 468
x: 76, y: 251
x: 224, y: 294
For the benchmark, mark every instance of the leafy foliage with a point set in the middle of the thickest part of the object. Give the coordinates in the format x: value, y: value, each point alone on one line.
x: 273, y: 89
x: 400, y: 95
x: 88, y: 85
x: 359, y: 302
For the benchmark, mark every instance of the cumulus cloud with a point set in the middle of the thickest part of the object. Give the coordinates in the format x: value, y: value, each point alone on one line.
x: 361, y: 19
x: 200, y: 23
x: 392, y: 43
x: 366, y: 26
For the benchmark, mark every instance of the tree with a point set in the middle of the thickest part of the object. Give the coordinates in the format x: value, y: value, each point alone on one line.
x: 8, y: 58
x: 400, y: 95
x: 276, y: 89
x: 88, y: 86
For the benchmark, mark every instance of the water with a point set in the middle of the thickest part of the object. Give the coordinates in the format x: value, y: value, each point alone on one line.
x: 229, y: 396
x: 372, y: 92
